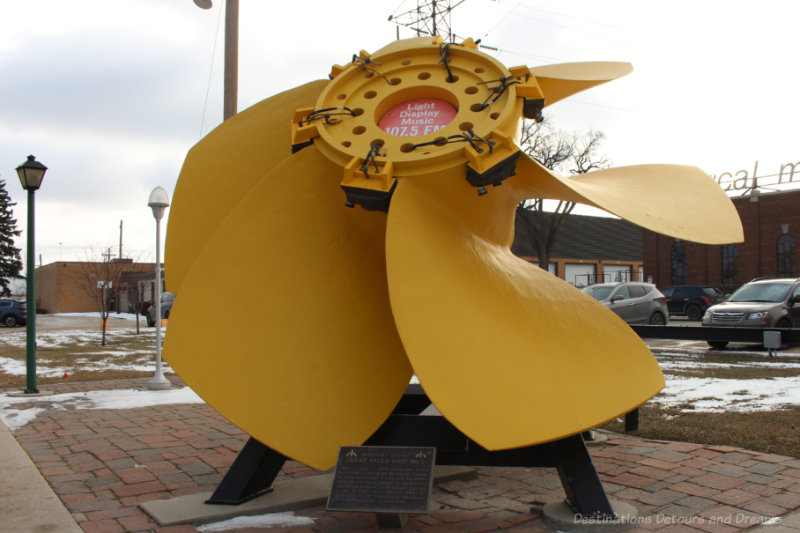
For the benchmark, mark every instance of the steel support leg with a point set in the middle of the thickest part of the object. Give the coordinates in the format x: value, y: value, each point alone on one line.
x: 585, y: 493
x: 250, y: 475
x: 632, y: 420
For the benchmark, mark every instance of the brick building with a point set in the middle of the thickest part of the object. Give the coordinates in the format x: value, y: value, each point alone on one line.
x: 771, y: 223
x: 71, y: 286
x: 588, y: 249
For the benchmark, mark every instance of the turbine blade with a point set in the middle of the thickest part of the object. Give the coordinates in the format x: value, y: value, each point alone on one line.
x: 298, y: 345
x: 565, y: 79
x: 676, y: 200
x: 222, y: 167
x: 490, y: 335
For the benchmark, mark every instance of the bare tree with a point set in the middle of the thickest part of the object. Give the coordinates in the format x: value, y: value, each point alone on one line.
x: 561, y: 152
x: 102, y: 281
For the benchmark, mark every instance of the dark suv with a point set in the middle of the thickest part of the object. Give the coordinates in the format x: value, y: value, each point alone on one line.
x: 13, y: 313
x: 690, y: 300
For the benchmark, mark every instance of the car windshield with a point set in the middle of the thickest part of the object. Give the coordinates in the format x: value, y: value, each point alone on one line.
x: 599, y: 292
x: 761, y: 292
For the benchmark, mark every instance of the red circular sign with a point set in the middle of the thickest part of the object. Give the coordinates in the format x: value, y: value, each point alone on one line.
x: 418, y: 117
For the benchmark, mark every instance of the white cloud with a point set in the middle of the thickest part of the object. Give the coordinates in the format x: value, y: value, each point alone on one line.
x: 111, y: 95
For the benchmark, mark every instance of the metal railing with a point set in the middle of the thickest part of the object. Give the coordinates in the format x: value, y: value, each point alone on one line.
x: 788, y: 337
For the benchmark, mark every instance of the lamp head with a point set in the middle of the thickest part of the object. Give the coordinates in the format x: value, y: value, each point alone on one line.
x: 158, y: 202
x: 203, y: 4
x: 31, y: 174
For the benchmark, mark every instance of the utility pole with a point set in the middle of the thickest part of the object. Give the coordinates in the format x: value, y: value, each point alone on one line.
x: 430, y: 17
x: 231, y: 76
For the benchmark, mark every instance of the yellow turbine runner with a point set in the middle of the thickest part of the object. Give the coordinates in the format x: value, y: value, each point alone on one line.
x: 333, y: 307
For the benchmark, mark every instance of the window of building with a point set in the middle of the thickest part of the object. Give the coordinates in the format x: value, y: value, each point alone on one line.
x: 730, y: 264
x: 678, y: 263
x: 787, y: 256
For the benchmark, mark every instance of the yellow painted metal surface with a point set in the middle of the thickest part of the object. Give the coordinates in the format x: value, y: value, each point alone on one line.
x: 220, y: 170
x: 333, y: 305
x: 402, y: 72
x: 655, y: 197
x: 565, y: 79
x: 306, y: 358
x: 509, y: 353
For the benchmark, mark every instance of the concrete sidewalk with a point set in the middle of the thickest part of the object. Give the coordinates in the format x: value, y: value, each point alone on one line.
x: 102, y: 463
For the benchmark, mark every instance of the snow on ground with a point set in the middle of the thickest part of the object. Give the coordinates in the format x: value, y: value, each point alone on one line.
x: 286, y: 519
x: 691, y: 393
x: 726, y: 395
x: 710, y: 394
x: 16, y: 411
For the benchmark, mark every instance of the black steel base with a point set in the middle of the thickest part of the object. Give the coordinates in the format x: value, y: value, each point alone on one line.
x: 256, y: 467
x: 250, y: 475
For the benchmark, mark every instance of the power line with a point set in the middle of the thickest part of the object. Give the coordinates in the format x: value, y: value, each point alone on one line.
x: 430, y: 17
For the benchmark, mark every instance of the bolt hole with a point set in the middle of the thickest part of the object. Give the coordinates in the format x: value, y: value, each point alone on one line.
x: 406, y: 148
x: 346, y: 144
x: 358, y: 112
x: 406, y: 62
x: 377, y: 142
x: 494, y: 116
x: 341, y: 96
x: 476, y: 107
x: 359, y: 130
x: 423, y: 75
x: 471, y: 90
x: 479, y: 70
x: 440, y: 141
x: 451, y: 79
x: 395, y: 81
x: 370, y: 94
x: 464, y: 126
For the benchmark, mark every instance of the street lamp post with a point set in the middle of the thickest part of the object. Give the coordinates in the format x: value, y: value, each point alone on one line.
x: 158, y: 202
x: 31, y: 174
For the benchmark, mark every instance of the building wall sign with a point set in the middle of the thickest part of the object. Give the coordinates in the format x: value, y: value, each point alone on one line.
x: 744, y: 181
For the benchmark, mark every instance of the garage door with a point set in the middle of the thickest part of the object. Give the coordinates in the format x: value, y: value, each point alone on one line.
x: 580, y: 275
x: 613, y: 273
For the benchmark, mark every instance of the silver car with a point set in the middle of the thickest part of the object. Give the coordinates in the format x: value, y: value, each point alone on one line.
x: 634, y: 302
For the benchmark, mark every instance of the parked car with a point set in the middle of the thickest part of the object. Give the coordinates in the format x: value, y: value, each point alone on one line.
x: 635, y: 303
x: 691, y: 300
x: 13, y: 313
x: 763, y: 303
x: 167, y: 298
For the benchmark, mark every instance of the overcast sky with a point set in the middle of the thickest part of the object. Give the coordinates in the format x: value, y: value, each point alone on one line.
x: 110, y: 94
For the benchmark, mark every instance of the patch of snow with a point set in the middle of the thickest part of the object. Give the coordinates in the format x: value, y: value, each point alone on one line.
x: 725, y: 395
x: 285, y: 519
x: 15, y: 367
x: 685, y: 365
x: 16, y: 417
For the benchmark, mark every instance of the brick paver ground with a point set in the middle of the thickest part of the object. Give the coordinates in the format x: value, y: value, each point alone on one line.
x: 103, y: 463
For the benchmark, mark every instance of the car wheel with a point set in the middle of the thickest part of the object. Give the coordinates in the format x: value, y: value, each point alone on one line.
x: 784, y: 323
x: 718, y: 345
x: 10, y: 321
x: 657, y: 319
x: 693, y: 312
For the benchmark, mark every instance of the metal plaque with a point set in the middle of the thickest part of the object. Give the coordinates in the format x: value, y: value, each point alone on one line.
x: 383, y: 479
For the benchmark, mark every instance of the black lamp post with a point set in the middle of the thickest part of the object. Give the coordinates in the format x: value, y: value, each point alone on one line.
x: 31, y: 174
